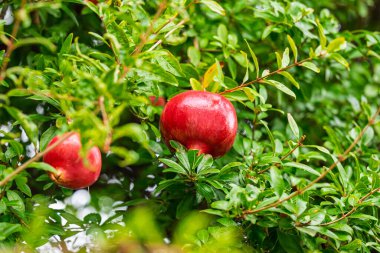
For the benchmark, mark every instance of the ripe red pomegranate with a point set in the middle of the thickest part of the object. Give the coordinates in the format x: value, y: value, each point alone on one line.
x: 157, y: 101
x: 200, y: 120
x: 73, y: 171
x: 94, y: 1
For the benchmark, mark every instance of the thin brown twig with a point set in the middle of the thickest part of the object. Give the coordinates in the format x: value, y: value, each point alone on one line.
x: 10, y: 44
x: 37, y: 157
x: 353, y: 209
x: 341, y: 158
x: 258, y: 80
x: 144, y: 37
x: 299, y: 143
x: 106, y: 123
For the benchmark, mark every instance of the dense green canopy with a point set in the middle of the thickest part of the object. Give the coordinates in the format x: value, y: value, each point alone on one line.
x: 303, y: 174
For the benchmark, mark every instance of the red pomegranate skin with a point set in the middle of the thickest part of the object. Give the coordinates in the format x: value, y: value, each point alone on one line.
x: 73, y: 172
x: 157, y: 101
x: 94, y: 1
x: 200, y: 120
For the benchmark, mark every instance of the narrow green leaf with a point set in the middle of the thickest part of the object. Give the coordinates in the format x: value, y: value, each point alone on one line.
x: 27, y: 124
x: 303, y: 167
x: 195, y: 84
x: 22, y: 185
x: 18, y: 203
x: 288, y: 76
x: 42, y: 166
x: 175, y: 167
x: 311, y: 66
x: 280, y: 86
x: 221, y: 205
x: 248, y: 91
x: 285, y: 58
x: 36, y: 40
x: 277, y: 181
x: 214, y: 6
x: 246, y: 76
x: 322, y: 36
x: 339, y: 58
x: 255, y: 61
x: 293, y: 47
x: 336, y: 45
x: 293, y: 126
x: 290, y: 242
x: 194, y: 55
x: 352, y: 246
x: 99, y: 37
x: 47, y: 136
x: 229, y: 166
x: 7, y: 229
x: 279, y: 60
x: 363, y: 216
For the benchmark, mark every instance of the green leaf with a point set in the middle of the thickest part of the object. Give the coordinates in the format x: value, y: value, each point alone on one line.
x: 18, y: 203
x: 129, y: 156
x: 133, y: 131
x: 7, y: 229
x: 203, y: 235
x: 27, y: 124
x: 194, y: 55
x: 246, y: 76
x: 323, y: 230
x: 279, y: 60
x: 363, y: 216
x: 169, y: 63
x: 290, y: 242
x: 205, y: 191
x: 255, y: 61
x: 221, y: 205
x: 222, y: 33
x: 92, y: 218
x: 293, y: 47
x: 71, y: 219
x: 303, y: 167
x: 3, y: 206
x: 174, y: 167
x: 250, y: 93
x: 352, y: 246
x: 290, y: 78
x: 285, y: 58
x: 42, y: 166
x: 22, y: 185
x: 214, y: 6
x: 152, y: 73
x: 267, y: 201
x: 322, y: 36
x: 205, y: 164
x: 311, y: 66
x: 229, y: 166
x: 18, y: 93
x: 36, y: 40
x: 47, y: 136
x: 276, y: 181
x: 336, y: 45
x: 167, y: 183
x: 339, y: 58
x: 195, y: 84
x: 280, y: 86
x: 293, y: 126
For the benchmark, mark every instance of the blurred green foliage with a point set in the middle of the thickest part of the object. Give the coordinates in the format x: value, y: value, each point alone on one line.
x: 304, y: 77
